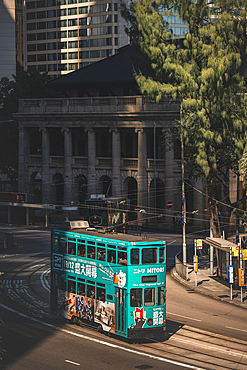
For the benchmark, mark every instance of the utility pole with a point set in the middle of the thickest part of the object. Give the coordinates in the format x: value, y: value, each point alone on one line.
x: 183, y: 191
x: 155, y: 219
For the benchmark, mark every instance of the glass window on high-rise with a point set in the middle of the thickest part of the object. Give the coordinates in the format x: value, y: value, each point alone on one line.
x: 63, y: 26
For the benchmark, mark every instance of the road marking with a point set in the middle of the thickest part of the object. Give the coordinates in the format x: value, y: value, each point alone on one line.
x: 73, y: 363
x: 116, y: 346
x: 227, y: 351
x: 44, y: 281
x: 185, y: 317
x: 228, y: 327
x: 171, y: 242
x: 32, y: 267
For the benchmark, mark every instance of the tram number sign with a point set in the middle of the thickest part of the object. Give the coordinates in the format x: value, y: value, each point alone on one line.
x: 169, y: 204
x: 137, y: 209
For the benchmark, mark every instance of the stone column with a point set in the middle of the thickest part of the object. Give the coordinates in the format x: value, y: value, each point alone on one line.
x: 68, y: 175
x: 91, y: 176
x: 142, y: 178
x: 23, y: 180
x: 116, y: 161
x: 170, y: 185
x: 46, y: 198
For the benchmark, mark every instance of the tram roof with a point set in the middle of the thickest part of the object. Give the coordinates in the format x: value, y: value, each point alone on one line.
x: 114, y: 236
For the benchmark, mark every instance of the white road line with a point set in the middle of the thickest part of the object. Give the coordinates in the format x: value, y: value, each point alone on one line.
x: 162, y: 359
x: 229, y: 327
x: 185, y: 317
x: 171, y: 242
x: 43, y: 279
x: 227, y: 351
x: 73, y: 363
x: 32, y: 267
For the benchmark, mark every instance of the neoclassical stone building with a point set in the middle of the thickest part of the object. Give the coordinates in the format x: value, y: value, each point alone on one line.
x: 103, y: 138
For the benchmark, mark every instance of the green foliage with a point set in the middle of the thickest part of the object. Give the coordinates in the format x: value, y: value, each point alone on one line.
x: 24, y: 85
x: 243, y: 169
x: 203, y: 73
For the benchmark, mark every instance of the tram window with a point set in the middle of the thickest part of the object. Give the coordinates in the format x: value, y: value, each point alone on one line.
x: 135, y: 297
x: 149, y: 297
x: 62, y: 245
x: 122, y: 258
x: 100, y: 244
x: 81, y: 249
x: 135, y: 256
x: 89, y: 242
x: 62, y: 284
x: 161, y: 255
x: 111, y: 256
x: 90, y: 251
x: 160, y: 295
x: 71, y: 286
x: 149, y: 255
x: 91, y: 291
x: 100, y: 294
x: 111, y: 246
x: 101, y: 284
x: 55, y: 243
x: 71, y: 248
x: 101, y: 254
x: 81, y: 289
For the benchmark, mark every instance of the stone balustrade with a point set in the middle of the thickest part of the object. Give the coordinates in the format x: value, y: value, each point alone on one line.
x: 95, y: 104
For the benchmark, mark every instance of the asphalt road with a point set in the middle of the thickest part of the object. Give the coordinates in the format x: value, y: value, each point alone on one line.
x: 203, y: 333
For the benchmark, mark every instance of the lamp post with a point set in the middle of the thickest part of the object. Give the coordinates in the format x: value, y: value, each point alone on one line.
x: 155, y: 219
x: 183, y: 192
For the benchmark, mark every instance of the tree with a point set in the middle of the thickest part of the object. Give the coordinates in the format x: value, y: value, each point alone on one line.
x: 24, y: 85
x: 202, y: 71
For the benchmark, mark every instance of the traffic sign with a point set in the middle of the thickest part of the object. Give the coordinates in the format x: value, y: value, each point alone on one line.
x: 195, y: 261
x: 169, y: 204
x: 137, y: 209
x: 231, y: 274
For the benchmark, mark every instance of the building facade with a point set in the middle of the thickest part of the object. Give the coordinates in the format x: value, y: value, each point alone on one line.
x: 64, y: 35
x: 86, y: 143
x: 105, y: 146
x: 7, y: 38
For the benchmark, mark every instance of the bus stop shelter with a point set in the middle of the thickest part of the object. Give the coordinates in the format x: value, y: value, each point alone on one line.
x: 223, y: 248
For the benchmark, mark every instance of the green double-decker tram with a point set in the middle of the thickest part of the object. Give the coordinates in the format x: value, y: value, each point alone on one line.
x: 115, y: 281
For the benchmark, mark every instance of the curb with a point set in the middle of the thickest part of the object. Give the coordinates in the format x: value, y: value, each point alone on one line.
x: 178, y: 278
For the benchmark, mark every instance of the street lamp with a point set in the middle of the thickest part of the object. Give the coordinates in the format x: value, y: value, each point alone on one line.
x: 155, y: 220
x: 183, y: 192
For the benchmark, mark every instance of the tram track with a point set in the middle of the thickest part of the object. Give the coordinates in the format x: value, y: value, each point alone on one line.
x: 23, y: 289
x: 183, y: 343
x: 205, y: 349
x: 188, y: 345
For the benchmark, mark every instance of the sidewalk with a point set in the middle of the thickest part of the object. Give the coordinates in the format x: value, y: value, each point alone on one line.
x: 211, y: 286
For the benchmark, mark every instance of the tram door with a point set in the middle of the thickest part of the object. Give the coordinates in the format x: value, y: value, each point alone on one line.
x: 120, y: 310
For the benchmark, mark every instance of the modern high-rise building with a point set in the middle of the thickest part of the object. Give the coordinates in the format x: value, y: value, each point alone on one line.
x: 64, y: 35
x: 7, y: 38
